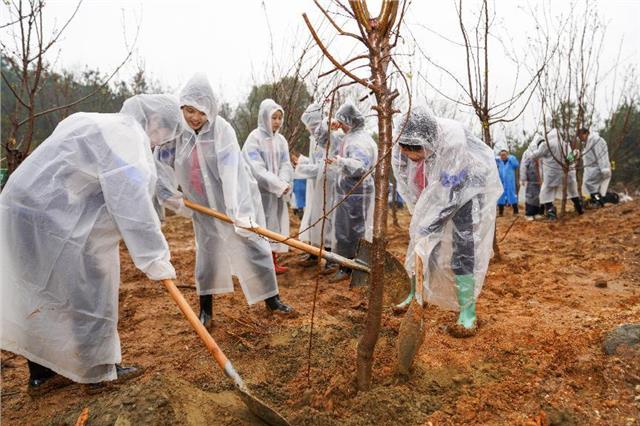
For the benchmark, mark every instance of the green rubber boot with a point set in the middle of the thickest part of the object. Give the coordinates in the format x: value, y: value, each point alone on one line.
x: 404, y: 305
x: 465, y: 285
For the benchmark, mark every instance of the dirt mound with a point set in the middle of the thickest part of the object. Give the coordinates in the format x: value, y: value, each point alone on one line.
x: 163, y: 400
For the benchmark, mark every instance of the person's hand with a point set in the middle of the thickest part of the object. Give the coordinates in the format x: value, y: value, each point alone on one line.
x: 329, y: 160
x: 335, y: 125
x: 176, y: 203
x: 294, y: 160
x: 287, y: 190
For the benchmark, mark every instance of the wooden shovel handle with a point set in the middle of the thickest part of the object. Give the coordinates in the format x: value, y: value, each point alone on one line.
x: 200, y: 329
x: 419, y: 277
x: 292, y: 242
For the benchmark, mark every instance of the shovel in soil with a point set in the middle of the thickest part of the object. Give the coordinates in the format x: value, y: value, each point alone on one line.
x: 256, y: 406
x: 411, y: 332
x: 396, y: 279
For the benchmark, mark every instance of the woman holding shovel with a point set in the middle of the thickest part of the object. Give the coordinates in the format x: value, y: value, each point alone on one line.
x: 453, y: 220
x: 205, y: 160
x: 62, y: 215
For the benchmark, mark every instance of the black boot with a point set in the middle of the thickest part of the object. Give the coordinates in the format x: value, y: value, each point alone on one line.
x: 515, y: 209
x: 341, y: 275
x: 500, y: 209
x: 206, y: 310
x: 551, y: 211
x: 276, y: 306
x: 577, y: 204
x: 596, y: 199
x: 43, y: 380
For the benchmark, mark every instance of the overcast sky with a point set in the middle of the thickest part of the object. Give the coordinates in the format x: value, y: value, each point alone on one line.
x: 230, y: 40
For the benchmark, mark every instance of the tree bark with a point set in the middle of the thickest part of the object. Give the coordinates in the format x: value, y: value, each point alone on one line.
x: 379, y: 48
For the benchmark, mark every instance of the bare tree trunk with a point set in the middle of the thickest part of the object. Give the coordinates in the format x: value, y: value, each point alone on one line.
x: 379, y: 48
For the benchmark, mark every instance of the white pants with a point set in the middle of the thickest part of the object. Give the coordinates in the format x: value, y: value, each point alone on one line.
x: 549, y: 193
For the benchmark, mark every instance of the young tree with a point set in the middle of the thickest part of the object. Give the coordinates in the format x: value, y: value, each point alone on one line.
x: 378, y: 35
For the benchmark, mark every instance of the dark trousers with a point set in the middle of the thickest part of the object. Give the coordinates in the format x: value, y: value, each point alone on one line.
x: 463, y: 258
x: 531, y: 210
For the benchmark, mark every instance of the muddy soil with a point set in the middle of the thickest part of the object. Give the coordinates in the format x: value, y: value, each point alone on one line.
x: 537, y: 358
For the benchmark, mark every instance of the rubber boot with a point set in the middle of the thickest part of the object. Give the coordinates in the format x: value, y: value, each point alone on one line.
x: 206, y: 310
x: 279, y: 269
x: 276, y: 306
x: 404, y: 305
x: 466, y: 324
x: 577, y: 204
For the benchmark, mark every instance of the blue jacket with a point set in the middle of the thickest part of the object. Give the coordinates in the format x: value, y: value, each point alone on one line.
x: 507, y: 171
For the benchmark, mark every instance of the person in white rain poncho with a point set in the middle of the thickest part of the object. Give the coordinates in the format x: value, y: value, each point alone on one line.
x: 319, y: 200
x: 355, y: 191
x: 454, y: 217
x: 530, y: 179
x: 210, y: 170
x: 267, y: 153
x: 597, y: 169
x: 62, y: 215
x: 555, y: 154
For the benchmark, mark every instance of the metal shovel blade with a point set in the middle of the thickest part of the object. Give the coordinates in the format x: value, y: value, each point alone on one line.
x: 396, y: 280
x: 261, y: 409
x: 410, y: 338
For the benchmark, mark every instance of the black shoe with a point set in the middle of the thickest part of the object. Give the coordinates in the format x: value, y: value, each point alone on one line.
x: 124, y: 374
x: 500, y: 210
x: 330, y: 268
x: 341, y: 275
x: 206, y: 311
x: 515, y: 209
x: 128, y: 372
x: 43, y: 380
x: 309, y: 261
x: 276, y: 306
x: 596, y: 199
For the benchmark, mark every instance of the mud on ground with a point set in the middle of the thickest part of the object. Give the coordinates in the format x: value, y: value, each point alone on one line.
x: 537, y: 358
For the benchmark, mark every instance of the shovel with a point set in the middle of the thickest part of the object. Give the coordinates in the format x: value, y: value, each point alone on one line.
x: 396, y: 279
x: 256, y: 406
x: 411, y: 332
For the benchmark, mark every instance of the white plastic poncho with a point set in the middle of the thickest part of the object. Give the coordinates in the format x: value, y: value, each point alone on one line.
x: 268, y: 156
x: 453, y: 221
x: 552, y: 155
x: 62, y: 215
x: 357, y: 157
x: 530, y: 174
x: 319, y: 200
x: 211, y: 171
x: 597, y: 169
x: 410, y: 177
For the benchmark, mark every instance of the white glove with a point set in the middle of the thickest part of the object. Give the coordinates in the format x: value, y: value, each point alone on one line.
x: 176, y: 203
x: 606, y: 173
